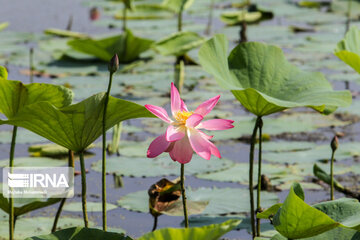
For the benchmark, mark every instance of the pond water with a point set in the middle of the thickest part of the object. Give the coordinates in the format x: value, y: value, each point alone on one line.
x: 309, y: 51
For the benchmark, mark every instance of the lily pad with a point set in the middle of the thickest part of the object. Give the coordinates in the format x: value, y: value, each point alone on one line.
x: 264, y: 82
x: 3, y: 25
x: 91, y: 206
x: 146, y: 11
x: 221, y: 200
x: 80, y: 233
x: 34, y: 162
x: 161, y: 166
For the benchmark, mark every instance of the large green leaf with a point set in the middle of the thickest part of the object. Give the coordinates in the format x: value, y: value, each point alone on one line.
x: 177, y: 5
x: 210, y: 232
x: 76, y: 126
x: 296, y: 219
x: 179, y: 43
x: 264, y: 82
x: 80, y: 233
x: 348, y: 49
x: 16, y: 96
x: 127, y: 46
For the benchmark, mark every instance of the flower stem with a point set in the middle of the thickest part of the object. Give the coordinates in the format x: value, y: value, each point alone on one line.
x: 31, y: 63
x: 251, y: 186
x: 179, y: 73
x: 124, y: 18
x: 184, y: 196
x: 348, y: 14
x: 332, y: 175
x: 58, y: 213
x: 11, y: 200
x: 104, y: 218
x: 83, y: 188
x: 155, y: 223
x: 258, y: 207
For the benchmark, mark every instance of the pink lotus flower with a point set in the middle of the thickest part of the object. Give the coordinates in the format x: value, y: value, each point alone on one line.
x: 183, y: 135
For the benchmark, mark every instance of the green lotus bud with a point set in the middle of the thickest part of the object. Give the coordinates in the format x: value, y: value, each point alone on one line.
x: 114, y: 64
x: 334, y: 143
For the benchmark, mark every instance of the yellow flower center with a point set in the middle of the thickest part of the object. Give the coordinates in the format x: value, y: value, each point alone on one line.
x: 182, y: 116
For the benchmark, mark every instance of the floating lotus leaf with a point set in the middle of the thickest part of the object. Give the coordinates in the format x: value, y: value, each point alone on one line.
x: 160, y: 166
x: 64, y: 33
x: 146, y: 11
x: 220, y: 200
x: 237, y: 17
x: 348, y: 49
x: 91, y: 206
x: 76, y: 126
x: 127, y: 46
x: 80, y: 233
x: 210, y: 232
x: 34, y: 162
x: 177, y: 44
x: 264, y: 82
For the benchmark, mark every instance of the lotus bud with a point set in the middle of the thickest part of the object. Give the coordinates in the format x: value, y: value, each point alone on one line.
x: 334, y: 143
x: 114, y: 64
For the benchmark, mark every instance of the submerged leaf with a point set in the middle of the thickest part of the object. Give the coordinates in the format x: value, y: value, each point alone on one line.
x: 264, y: 82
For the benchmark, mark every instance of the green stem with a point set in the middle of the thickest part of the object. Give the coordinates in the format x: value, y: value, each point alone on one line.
x: 184, y: 196
x: 332, y: 175
x: 210, y: 18
x: 83, y: 188
x: 11, y: 200
x: 179, y: 73
x: 348, y: 21
x: 124, y: 18
x: 104, y: 153
x: 180, y: 20
x: 31, y: 65
x: 258, y: 207
x: 155, y: 223
x: 58, y: 213
x: 251, y: 186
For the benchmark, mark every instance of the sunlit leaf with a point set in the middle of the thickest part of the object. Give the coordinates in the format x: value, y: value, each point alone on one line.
x: 211, y: 232
x: 3, y: 72
x: 3, y: 25
x: 16, y: 96
x: 177, y: 5
x: 77, y: 126
x: 264, y: 82
x: 348, y: 49
x: 64, y: 33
